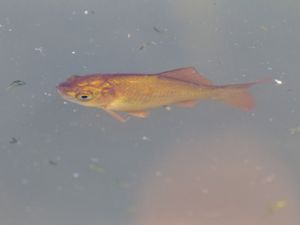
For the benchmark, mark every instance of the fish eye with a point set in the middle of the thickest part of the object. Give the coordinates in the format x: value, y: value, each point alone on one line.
x: 85, y: 96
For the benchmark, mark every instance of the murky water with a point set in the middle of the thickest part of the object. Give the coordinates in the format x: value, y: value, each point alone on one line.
x: 67, y: 164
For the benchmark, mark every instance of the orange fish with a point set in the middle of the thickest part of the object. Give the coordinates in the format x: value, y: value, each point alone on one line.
x: 137, y: 93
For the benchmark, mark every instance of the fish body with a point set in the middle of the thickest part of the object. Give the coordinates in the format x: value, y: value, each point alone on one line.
x: 137, y: 93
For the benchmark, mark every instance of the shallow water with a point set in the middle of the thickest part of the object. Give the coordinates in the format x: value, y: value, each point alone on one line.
x: 67, y: 164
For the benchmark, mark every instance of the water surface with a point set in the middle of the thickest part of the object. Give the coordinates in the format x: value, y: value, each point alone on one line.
x: 66, y: 164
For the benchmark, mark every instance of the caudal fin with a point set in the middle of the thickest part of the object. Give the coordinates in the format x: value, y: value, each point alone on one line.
x: 240, y: 98
x: 238, y: 95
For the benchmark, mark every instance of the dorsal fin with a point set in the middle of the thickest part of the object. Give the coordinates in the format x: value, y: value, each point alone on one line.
x: 187, y: 74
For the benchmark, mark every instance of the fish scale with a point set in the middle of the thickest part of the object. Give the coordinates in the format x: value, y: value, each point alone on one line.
x: 162, y: 92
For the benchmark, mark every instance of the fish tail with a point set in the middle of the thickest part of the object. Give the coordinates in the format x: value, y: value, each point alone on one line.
x: 238, y: 95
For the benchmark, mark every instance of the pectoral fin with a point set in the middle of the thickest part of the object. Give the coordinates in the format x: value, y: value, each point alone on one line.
x: 140, y: 114
x: 116, y: 116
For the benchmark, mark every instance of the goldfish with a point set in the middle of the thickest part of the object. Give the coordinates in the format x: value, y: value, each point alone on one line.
x: 136, y: 94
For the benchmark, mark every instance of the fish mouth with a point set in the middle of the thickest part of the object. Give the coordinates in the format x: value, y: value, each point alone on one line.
x: 65, y: 96
x: 63, y: 89
x: 59, y: 90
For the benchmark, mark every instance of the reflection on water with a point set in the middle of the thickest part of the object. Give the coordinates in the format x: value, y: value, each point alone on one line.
x: 233, y: 180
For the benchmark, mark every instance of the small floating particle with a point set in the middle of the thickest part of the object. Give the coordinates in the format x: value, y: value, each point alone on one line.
x: 145, y: 138
x: 40, y: 50
x: 278, y: 82
x: 52, y: 162
x: 142, y: 47
x: 13, y: 140
x: 47, y: 94
x: 75, y: 175
x: 158, y: 30
x: 146, y: 44
x: 16, y: 83
x: 86, y: 12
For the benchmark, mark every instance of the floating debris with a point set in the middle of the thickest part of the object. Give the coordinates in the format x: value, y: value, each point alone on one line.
x: 275, y: 206
x: 96, y: 168
x: 40, y: 50
x: 278, y: 82
x: 52, y: 162
x: 13, y: 140
x: 142, y: 47
x: 86, y: 12
x: 145, y: 138
x: 15, y: 83
x: 295, y: 130
x: 147, y: 44
x: 158, y: 30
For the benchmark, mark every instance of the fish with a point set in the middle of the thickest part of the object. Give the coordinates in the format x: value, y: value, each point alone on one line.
x: 135, y: 94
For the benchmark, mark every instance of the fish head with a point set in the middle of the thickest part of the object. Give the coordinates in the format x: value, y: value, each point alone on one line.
x: 89, y: 90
